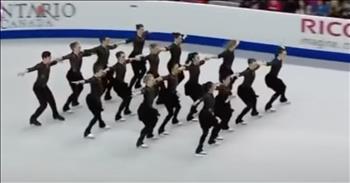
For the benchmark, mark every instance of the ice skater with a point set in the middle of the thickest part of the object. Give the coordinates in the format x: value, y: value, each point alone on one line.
x: 171, y: 98
x: 246, y: 92
x: 74, y: 74
x: 223, y: 108
x: 120, y: 86
x: 192, y: 87
x: 41, y: 90
x: 93, y: 100
x: 272, y: 80
x: 146, y: 112
x: 139, y: 68
x: 103, y: 52
x: 175, y: 52
x: 228, y: 56
x: 154, y: 60
x: 207, y: 119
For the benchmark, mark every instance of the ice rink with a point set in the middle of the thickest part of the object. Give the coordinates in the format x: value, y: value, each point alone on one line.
x: 305, y: 141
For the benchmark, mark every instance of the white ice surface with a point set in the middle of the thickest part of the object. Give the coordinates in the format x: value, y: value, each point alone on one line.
x: 305, y: 141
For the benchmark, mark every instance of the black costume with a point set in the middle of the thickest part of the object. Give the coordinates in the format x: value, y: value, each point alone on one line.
x: 43, y: 92
x: 247, y: 94
x: 275, y: 83
x: 74, y: 74
x: 102, y: 63
x: 139, y: 68
x: 172, y: 102
x: 226, y: 66
x: 153, y: 60
x: 192, y: 86
x: 121, y: 88
x: 93, y: 100
x: 207, y: 120
x: 147, y: 113
x: 175, y: 56
x: 223, y: 108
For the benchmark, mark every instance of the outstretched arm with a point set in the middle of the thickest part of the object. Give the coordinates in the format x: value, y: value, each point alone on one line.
x: 66, y: 57
x: 30, y: 69
x: 138, y: 58
x: 92, y: 50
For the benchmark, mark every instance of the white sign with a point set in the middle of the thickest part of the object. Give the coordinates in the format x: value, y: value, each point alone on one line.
x: 301, y: 31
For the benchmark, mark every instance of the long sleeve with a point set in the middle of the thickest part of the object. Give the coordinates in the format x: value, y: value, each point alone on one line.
x: 221, y: 54
x: 92, y: 50
x: 243, y: 73
x: 168, y: 48
x: 200, y: 63
x: 111, y: 47
x: 53, y: 63
x: 86, y: 54
x: 144, y: 58
x: 34, y: 68
x: 130, y: 40
x: 67, y: 57
x: 272, y: 62
x: 88, y: 80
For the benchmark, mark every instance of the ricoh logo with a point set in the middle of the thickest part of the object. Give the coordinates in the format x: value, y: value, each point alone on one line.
x: 325, y: 34
x: 34, y: 14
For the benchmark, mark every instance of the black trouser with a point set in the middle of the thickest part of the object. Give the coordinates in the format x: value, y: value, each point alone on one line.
x: 224, y: 71
x: 207, y: 121
x: 173, y: 107
x: 225, y: 119
x: 44, y: 95
x: 147, y: 130
x: 107, y: 80
x: 223, y: 110
x: 109, y: 83
x: 149, y: 117
x: 95, y: 106
x: 194, y: 90
x: 123, y: 91
x: 139, y: 69
x: 76, y: 88
x: 247, y: 94
x: 278, y: 86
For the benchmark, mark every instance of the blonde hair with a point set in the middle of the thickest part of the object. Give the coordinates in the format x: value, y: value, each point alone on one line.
x: 147, y: 77
x: 231, y: 43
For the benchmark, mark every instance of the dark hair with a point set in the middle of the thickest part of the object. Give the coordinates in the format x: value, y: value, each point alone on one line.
x: 280, y: 50
x: 45, y: 54
x: 119, y: 53
x: 102, y: 39
x: 191, y: 56
x: 251, y: 60
x: 147, y: 77
x: 139, y: 26
x: 206, y: 86
x: 177, y: 34
x: 73, y: 45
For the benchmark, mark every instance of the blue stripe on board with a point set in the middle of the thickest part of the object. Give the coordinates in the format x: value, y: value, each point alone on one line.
x: 201, y: 40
